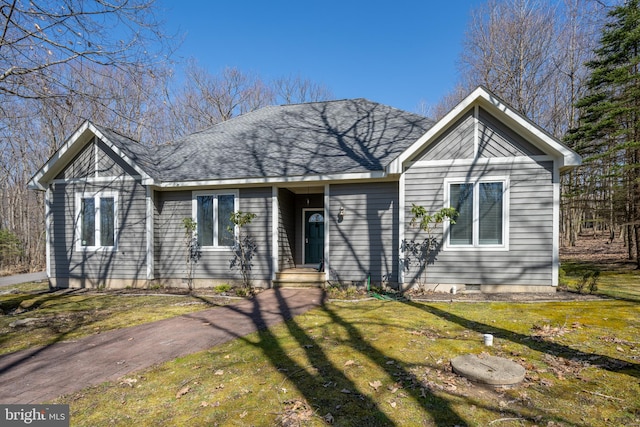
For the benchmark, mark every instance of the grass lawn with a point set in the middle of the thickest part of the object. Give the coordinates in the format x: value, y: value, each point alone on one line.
x: 363, y: 363
x: 620, y: 280
x: 66, y: 315
x: 387, y: 363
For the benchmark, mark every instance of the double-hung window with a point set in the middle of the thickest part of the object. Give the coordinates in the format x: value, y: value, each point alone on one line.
x: 96, y: 220
x: 212, y: 213
x: 482, y: 219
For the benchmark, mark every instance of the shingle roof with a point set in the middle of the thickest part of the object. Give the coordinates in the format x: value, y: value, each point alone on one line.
x: 140, y: 154
x: 332, y: 137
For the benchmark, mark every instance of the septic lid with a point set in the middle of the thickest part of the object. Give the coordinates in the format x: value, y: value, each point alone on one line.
x: 490, y: 370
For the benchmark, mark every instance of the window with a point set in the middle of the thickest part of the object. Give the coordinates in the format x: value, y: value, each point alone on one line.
x: 482, y: 216
x: 96, y: 220
x: 212, y: 213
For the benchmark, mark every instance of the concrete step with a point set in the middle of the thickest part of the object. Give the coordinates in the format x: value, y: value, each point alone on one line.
x: 305, y: 277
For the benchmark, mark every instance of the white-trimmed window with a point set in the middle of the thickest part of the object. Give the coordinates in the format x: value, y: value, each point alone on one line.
x: 212, y: 213
x: 97, y: 220
x: 483, y: 217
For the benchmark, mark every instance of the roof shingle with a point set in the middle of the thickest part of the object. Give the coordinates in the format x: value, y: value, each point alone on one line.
x: 333, y: 137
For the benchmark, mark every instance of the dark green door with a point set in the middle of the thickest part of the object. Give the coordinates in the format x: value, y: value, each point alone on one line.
x: 313, y: 237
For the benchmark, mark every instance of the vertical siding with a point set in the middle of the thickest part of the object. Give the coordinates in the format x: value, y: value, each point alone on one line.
x: 498, y: 140
x: 529, y: 258
x: 365, y: 241
x: 83, y: 165
x: 286, y: 229
x: 173, y: 206
x: 127, y: 262
x: 109, y: 164
x: 455, y: 143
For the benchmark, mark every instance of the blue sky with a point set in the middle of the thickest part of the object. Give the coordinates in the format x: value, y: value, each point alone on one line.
x: 394, y: 52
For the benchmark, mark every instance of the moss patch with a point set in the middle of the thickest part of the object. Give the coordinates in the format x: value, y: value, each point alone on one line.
x: 387, y: 363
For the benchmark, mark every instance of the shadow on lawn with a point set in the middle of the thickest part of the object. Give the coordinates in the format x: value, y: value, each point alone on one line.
x: 323, y: 384
x: 36, y: 300
x: 603, y: 362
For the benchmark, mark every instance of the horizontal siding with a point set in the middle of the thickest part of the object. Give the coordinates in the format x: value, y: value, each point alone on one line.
x: 258, y: 201
x: 304, y: 201
x: 365, y: 241
x: 127, y: 262
x: 174, y: 206
x: 455, y: 143
x: 286, y: 229
x: 498, y: 140
x: 528, y: 260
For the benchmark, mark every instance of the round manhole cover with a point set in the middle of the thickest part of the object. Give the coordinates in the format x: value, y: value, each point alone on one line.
x: 490, y: 370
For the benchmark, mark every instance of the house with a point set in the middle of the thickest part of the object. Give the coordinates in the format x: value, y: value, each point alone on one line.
x: 330, y: 182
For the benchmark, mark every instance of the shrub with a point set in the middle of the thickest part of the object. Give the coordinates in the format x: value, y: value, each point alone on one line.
x: 589, y: 280
x: 222, y: 288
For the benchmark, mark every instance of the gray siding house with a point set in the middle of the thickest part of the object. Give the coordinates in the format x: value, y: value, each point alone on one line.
x: 332, y: 185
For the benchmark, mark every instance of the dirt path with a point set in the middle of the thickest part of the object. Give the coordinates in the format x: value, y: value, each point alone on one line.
x: 42, y: 374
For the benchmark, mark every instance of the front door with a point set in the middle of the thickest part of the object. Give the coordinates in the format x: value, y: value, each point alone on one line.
x: 313, y: 236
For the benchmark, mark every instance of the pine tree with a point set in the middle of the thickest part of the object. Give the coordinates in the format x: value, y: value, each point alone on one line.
x: 608, y: 133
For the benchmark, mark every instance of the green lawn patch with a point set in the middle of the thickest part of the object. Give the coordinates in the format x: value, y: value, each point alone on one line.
x: 618, y: 280
x: 32, y: 316
x: 387, y: 363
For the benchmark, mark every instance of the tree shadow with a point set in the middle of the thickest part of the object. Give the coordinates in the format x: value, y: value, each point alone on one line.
x: 326, y: 386
x: 544, y: 346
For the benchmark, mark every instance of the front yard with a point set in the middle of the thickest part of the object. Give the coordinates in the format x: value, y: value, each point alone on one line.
x: 387, y: 363
x: 364, y: 363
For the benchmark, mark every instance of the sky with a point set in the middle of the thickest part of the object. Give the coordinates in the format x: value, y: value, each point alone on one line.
x: 396, y: 52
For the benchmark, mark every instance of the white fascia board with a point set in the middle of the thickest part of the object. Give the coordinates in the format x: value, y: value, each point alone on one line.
x: 396, y: 166
x: 36, y: 181
x: 274, y: 180
x: 566, y: 156
x: 145, y: 176
x: 70, y: 148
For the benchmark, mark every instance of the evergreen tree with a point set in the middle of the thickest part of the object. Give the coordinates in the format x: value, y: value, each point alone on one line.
x: 608, y: 133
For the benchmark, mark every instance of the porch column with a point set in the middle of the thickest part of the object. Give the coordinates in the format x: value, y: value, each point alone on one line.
x: 275, y: 227
x: 327, y: 232
x: 401, y: 220
x: 149, y: 233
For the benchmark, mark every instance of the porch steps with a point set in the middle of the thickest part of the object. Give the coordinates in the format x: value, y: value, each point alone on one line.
x: 299, y: 277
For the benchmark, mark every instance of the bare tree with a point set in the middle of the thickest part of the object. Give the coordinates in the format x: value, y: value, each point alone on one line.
x: 296, y: 89
x: 62, y: 62
x: 507, y: 50
x: 532, y: 53
x: 40, y: 40
x: 207, y: 99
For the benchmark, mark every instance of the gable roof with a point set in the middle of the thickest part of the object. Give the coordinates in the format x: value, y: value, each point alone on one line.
x: 482, y: 97
x: 354, y: 138
x: 133, y: 153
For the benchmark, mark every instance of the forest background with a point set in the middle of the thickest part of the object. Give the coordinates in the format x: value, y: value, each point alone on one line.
x: 571, y: 66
